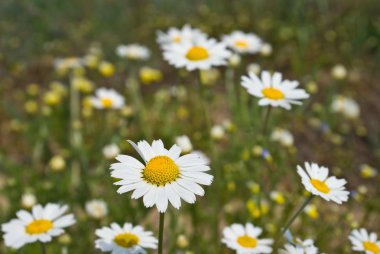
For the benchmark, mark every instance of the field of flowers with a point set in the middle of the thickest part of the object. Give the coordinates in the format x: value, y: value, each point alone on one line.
x: 189, y: 127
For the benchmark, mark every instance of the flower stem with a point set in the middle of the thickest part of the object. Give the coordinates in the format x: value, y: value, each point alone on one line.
x: 292, y: 219
x: 43, y: 248
x: 266, y: 120
x: 161, y: 233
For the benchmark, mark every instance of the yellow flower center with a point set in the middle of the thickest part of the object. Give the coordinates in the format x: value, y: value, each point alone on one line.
x: 241, y: 44
x: 107, y: 102
x: 320, y: 186
x: 197, y: 53
x: 247, y: 241
x: 160, y: 170
x: 273, y: 93
x: 371, y: 246
x: 177, y: 39
x: 39, y: 227
x: 126, y: 240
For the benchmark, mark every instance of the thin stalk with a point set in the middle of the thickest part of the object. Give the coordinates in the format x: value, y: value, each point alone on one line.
x: 161, y: 233
x: 292, y: 219
x: 266, y: 121
x: 43, y: 248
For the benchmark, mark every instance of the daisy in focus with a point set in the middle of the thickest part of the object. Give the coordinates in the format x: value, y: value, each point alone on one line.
x: 125, y: 240
x: 364, y: 241
x: 273, y: 90
x: 133, y: 52
x: 315, y: 179
x: 300, y: 247
x: 164, y: 177
x: 41, y: 225
x: 244, y: 239
x: 175, y: 35
x: 107, y: 99
x: 199, y: 55
x: 243, y: 42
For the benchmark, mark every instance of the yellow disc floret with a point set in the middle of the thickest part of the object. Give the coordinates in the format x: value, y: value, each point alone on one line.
x: 39, y: 227
x: 161, y: 170
x: 371, y: 247
x: 106, y: 102
x: 273, y: 93
x: 320, y: 186
x: 197, y: 53
x: 247, y: 241
x: 241, y: 44
x: 126, y: 240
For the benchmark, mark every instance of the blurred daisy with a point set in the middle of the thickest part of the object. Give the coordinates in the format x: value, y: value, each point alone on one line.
x: 348, y: 107
x: 364, y: 241
x: 111, y: 151
x: 40, y: 225
x: 96, y: 209
x: 68, y: 63
x: 244, y: 239
x: 175, y: 35
x: 298, y: 249
x: 316, y: 180
x: 165, y: 175
x: 107, y: 98
x: 184, y: 143
x: 28, y: 200
x: 273, y: 90
x: 202, y: 54
x: 125, y: 240
x: 243, y: 42
x: 282, y: 136
x: 133, y: 52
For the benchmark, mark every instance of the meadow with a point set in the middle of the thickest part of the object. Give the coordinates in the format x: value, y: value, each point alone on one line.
x: 209, y: 126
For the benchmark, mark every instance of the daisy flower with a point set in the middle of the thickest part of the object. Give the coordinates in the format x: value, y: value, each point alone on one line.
x: 201, y: 54
x: 300, y: 247
x: 244, y: 239
x: 175, y: 35
x: 124, y: 240
x: 364, y: 241
x: 164, y: 177
x: 133, y: 52
x: 96, y: 209
x: 316, y: 180
x: 40, y: 225
x: 107, y: 98
x: 273, y: 90
x: 243, y: 42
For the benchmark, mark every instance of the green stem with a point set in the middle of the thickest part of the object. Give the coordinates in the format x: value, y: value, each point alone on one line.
x: 266, y: 121
x: 292, y: 219
x: 161, y: 233
x: 43, y: 248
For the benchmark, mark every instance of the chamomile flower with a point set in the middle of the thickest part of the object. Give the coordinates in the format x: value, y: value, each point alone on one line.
x: 133, y: 52
x: 96, y: 208
x: 316, y: 180
x: 175, y: 35
x: 273, y: 90
x: 298, y: 249
x: 243, y: 42
x: 107, y: 99
x: 42, y: 224
x: 201, y: 54
x: 244, y: 239
x: 164, y: 177
x: 364, y: 241
x: 127, y: 239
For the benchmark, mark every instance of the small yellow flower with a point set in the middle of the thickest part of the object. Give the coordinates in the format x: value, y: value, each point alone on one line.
x: 182, y: 242
x: 277, y: 197
x: 209, y: 77
x: 33, y: 89
x: 52, y: 98
x: 311, y: 211
x: 31, y: 107
x: 106, y: 69
x: 254, y: 187
x: 149, y: 75
x: 57, y: 163
x: 182, y: 113
x: 367, y: 171
x: 82, y: 84
x: 312, y: 87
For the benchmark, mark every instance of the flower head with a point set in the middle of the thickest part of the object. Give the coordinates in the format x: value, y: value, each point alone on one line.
x: 176, y: 36
x: 316, y: 180
x: 364, y: 241
x: 243, y: 42
x: 133, y: 52
x: 273, y: 90
x: 126, y: 239
x: 164, y: 177
x: 244, y: 239
x: 42, y: 224
x: 107, y: 99
x: 201, y: 54
x: 96, y: 208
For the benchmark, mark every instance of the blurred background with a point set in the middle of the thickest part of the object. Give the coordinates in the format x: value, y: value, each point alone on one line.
x: 331, y: 47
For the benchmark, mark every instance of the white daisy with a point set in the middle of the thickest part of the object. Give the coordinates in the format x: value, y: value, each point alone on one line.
x: 244, y: 239
x: 273, y: 90
x: 316, y: 181
x: 175, y: 35
x: 40, y: 225
x: 282, y: 136
x: 96, y: 209
x: 133, y: 52
x: 364, y: 241
x: 184, y: 143
x: 300, y: 247
x: 201, y: 54
x: 107, y: 98
x: 243, y: 42
x: 348, y: 107
x: 164, y: 176
x: 125, y: 240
